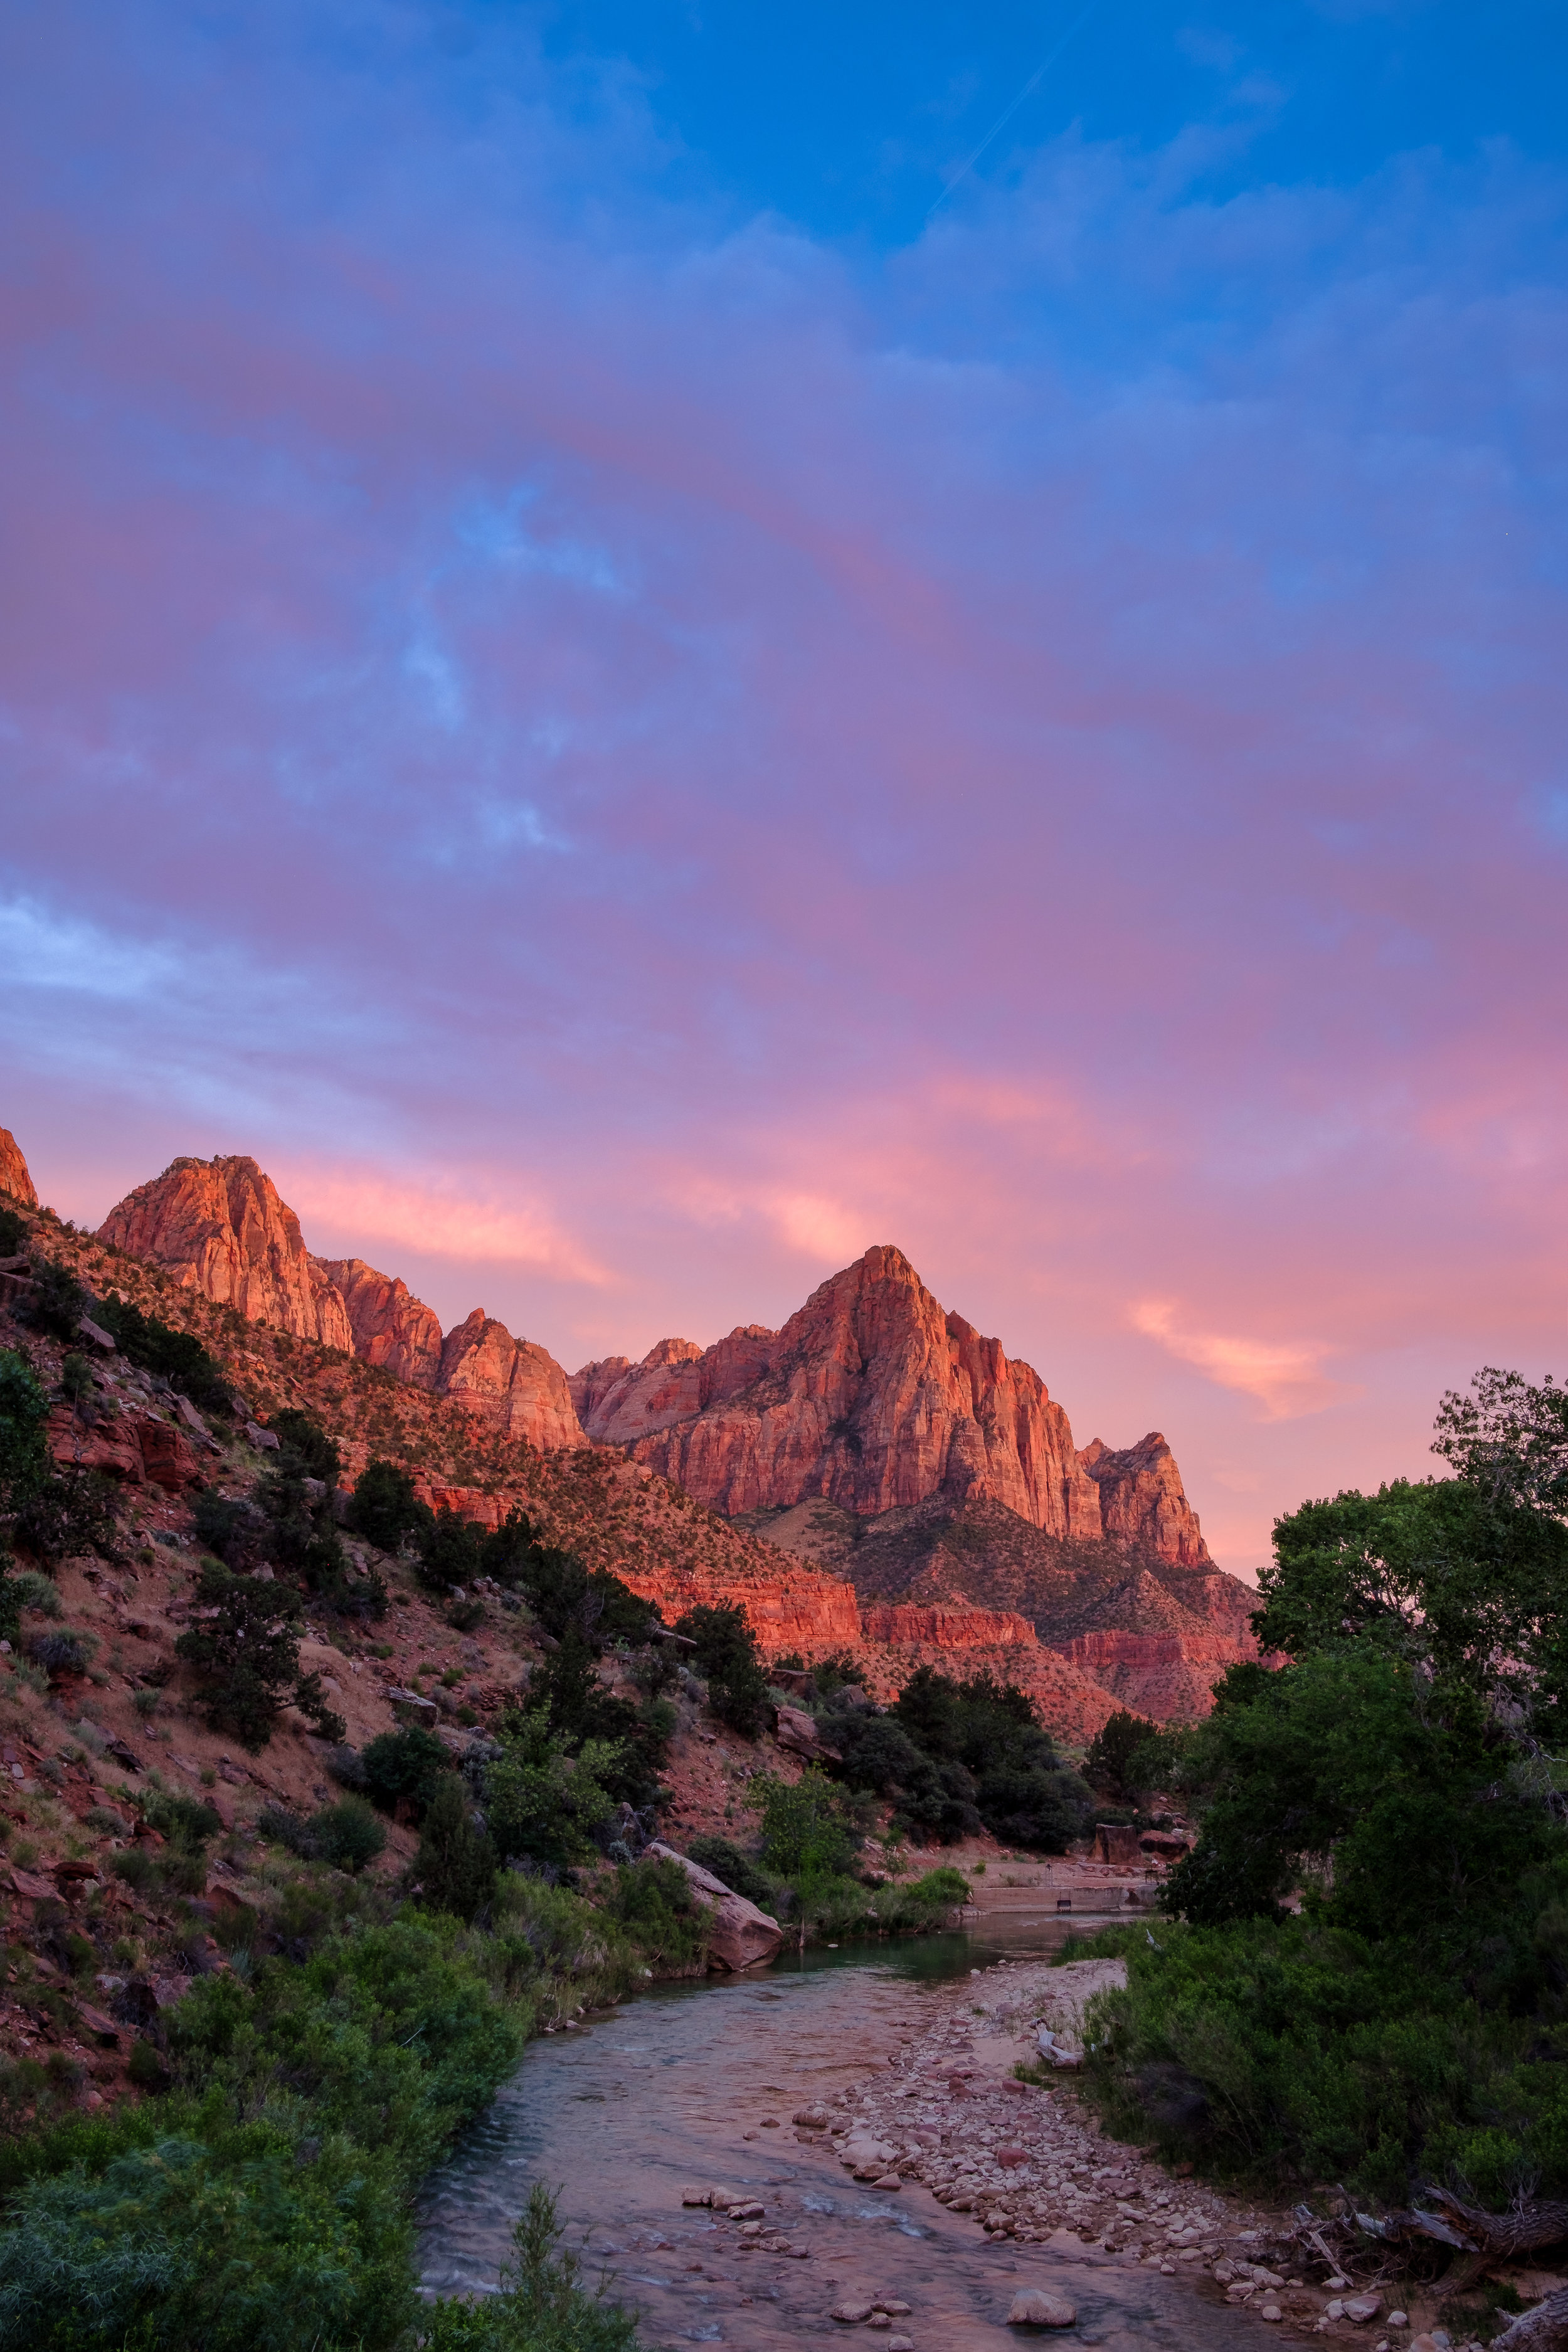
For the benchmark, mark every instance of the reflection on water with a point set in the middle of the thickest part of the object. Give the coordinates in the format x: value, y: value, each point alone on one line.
x: 673, y: 2091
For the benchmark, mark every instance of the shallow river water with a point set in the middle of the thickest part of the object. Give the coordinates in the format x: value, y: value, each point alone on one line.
x: 672, y: 2091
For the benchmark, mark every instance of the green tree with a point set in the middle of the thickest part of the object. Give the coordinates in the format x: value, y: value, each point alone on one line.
x: 23, y: 1412
x: 177, y: 1356
x: 305, y: 1438
x: 1126, y: 1755
x: 544, y: 1804
x: 726, y: 1655
x: 455, y: 1868
x: 247, y: 1646
x: 386, y: 1507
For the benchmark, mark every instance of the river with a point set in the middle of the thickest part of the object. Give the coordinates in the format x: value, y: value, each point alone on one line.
x: 676, y: 2089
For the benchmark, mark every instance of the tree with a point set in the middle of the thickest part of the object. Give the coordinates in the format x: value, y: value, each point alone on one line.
x: 1127, y: 1754
x: 1509, y: 1438
x: 247, y: 1648
x: 304, y: 1438
x: 386, y: 1507
x: 456, y: 1865
x: 23, y: 1412
x: 726, y: 1655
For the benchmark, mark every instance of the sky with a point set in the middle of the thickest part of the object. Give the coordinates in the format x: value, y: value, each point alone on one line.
x: 644, y: 646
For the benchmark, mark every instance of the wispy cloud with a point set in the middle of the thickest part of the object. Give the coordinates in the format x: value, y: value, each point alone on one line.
x: 1285, y: 1378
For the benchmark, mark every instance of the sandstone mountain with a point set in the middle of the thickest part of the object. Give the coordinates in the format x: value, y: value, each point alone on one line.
x: 220, y: 1228
x: 875, y: 1398
x: 13, y: 1177
x: 927, y: 1486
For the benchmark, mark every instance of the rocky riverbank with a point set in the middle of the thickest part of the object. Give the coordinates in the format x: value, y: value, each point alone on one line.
x: 1030, y: 2164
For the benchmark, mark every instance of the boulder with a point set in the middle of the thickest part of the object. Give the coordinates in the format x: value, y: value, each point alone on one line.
x: 796, y: 1731
x: 1041, y: 2306
x: 743, y: 1937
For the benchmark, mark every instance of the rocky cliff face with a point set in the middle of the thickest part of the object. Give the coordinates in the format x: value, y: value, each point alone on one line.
x: 871, y: 1396
x: 511, y: 1383
x: 390, y: 1326
x: 218, y: 1226
x: 1142, y: 1499
x: 13, y: 1177
x: 874, y: 1398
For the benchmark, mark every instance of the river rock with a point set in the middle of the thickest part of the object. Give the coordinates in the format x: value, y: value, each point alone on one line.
x: 1362, y: 2307
x: 1041, y: 2306
x: 742, y: 1935
x: 849, y: 2313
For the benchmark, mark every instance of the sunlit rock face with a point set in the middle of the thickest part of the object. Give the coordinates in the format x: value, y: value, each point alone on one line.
x: 875, y: 1397
x: 514, y: 1384
x: 218, y: 1226
x: 13, y: 1177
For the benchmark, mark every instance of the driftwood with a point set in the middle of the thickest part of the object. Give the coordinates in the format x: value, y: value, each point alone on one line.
x: 1483, y: 2239
x: 1544, y: 2329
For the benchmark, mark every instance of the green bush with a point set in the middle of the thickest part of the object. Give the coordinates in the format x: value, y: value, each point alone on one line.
x: 249, y: 1653
x: 174, y: 1356
x: 448, y: 1552
x: 386, y: 1507
x: 728, y: 1656
x: 986, y: 1751
x: 304, y: 1438
x: 670, y: 1924
x: 14, y: 1231
x: 347, y: 1835
x: 545, y: 1804
x: 57, y: 1302
x: 455, y: 1868
x: 61, y: 1652
x: 737, y: 1871
x: 541, y: 2306
x: 70, y: 1512
x: 403, y: 1768
x: 809, y: 1827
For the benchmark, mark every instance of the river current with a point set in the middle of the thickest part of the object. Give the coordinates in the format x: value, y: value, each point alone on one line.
x: 690, y: 2085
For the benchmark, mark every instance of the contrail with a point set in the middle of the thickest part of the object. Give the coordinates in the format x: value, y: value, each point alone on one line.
x: 1036, y: 79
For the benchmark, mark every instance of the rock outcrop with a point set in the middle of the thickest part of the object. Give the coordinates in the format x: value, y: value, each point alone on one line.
x: 218, y: 1226
x: 1141, y: 1498
x: 742, y: 1935
x: 511, y: 1383
x: 870, y: 1396
x: 13, y: 1177
x: 390, y: 1326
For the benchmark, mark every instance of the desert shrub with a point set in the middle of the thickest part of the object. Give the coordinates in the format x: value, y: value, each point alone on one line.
x: 224, y: 1527
x: 346, y: 1766
x: 448, y: 1552
x: 667, y: 1921
x: 69, y: 1512
x: 24, y: 1412
x: 14, y: 1231
x: 76, y: 1377
x: 737, y: 1871
x: 136, y: 1866
x: 404, y: 1767
x: 57, y: 1302
x: 541, y: 2304
x: 60, y: 1652
x: 248, y: 1654
x: 30, y: 1588
x: 347, y: 1835
x: 304, y: 1438
x: 455, y: 1868
x: 726, y: 1655
x: 185, y: 1822
x: 386, y: 1507
x: 544, y: 1803
x: 176, y: 1357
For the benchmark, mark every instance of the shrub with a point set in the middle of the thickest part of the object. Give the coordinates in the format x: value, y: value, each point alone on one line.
x: 24, y: 1412
x: 185, y: 1822
x: 61, y: 1652
x: 248, y: 1651
x: 347, y: 1835
x: 304, y: 1436
x: 544, y: 1804
x: 667, y: 1921
x: 404, y: 1767
x: 739, y: 1873
x: 57, y: 1302
x: 1122, y: 1757
x: 448, y: 1552
x: 13, y: 1230
x: 224, y: 1527
x: 809, y: 1831
x: 541, y: 2304
x: 76, y: 1377
x: 728, y: 1655
x: 386, y: 1507
x: 456, y: 1865
x: 176, y: 1357
x: 71, y: 1512
x: 135, y: 1866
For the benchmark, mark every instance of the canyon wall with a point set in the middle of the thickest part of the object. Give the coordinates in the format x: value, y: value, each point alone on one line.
x: 1141, y: 1498
x: 219, y: 1227
x: 13, y: 1177
x: 871, y: 1396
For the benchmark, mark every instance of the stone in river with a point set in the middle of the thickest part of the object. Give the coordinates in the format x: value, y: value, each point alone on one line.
x: 1039, y: 2306
x: 850, y: 2314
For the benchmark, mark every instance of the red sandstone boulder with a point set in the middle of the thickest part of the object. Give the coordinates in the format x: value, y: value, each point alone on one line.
x: 742, y: 1935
